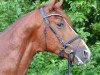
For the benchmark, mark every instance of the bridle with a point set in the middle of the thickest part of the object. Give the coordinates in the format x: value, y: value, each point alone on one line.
x: 64, y: 44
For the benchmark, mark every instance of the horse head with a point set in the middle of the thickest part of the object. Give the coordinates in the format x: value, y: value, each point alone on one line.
x: 47, y: 28
x: 57, y: 35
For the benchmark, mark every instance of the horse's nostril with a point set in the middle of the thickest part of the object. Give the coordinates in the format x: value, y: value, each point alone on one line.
x: 85, y: 54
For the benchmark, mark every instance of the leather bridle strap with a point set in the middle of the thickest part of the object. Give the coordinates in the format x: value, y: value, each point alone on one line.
x: 46, y: 22
x: 64, y: 44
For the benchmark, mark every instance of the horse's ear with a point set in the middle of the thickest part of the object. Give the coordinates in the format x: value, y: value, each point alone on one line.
x: 59, y: 4
x: 51, y: 4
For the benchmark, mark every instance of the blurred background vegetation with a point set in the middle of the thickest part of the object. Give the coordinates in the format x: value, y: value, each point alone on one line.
x: 85, y: 17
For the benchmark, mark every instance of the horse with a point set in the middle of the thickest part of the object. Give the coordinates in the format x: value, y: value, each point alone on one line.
x: 47, y: 28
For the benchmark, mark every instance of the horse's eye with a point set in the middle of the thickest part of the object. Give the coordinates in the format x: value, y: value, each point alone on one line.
x: 60, y: 25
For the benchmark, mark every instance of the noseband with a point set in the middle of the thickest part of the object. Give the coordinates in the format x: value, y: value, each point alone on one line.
x: 64, y: 44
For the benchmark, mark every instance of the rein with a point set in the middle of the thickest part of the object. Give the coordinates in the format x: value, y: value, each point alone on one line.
x: 64, y: 44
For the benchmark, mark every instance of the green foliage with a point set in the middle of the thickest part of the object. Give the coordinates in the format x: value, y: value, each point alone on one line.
x: 85, y: 16
x: 51, y: 66
x: 96, y: 29
x: 83, y: 34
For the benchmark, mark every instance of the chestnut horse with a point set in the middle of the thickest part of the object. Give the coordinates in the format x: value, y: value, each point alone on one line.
x: 46, y: 28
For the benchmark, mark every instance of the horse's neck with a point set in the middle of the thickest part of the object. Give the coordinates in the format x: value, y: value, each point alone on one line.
x: 16, y: 62
x: 26, y: 59
x: 16, y: 50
